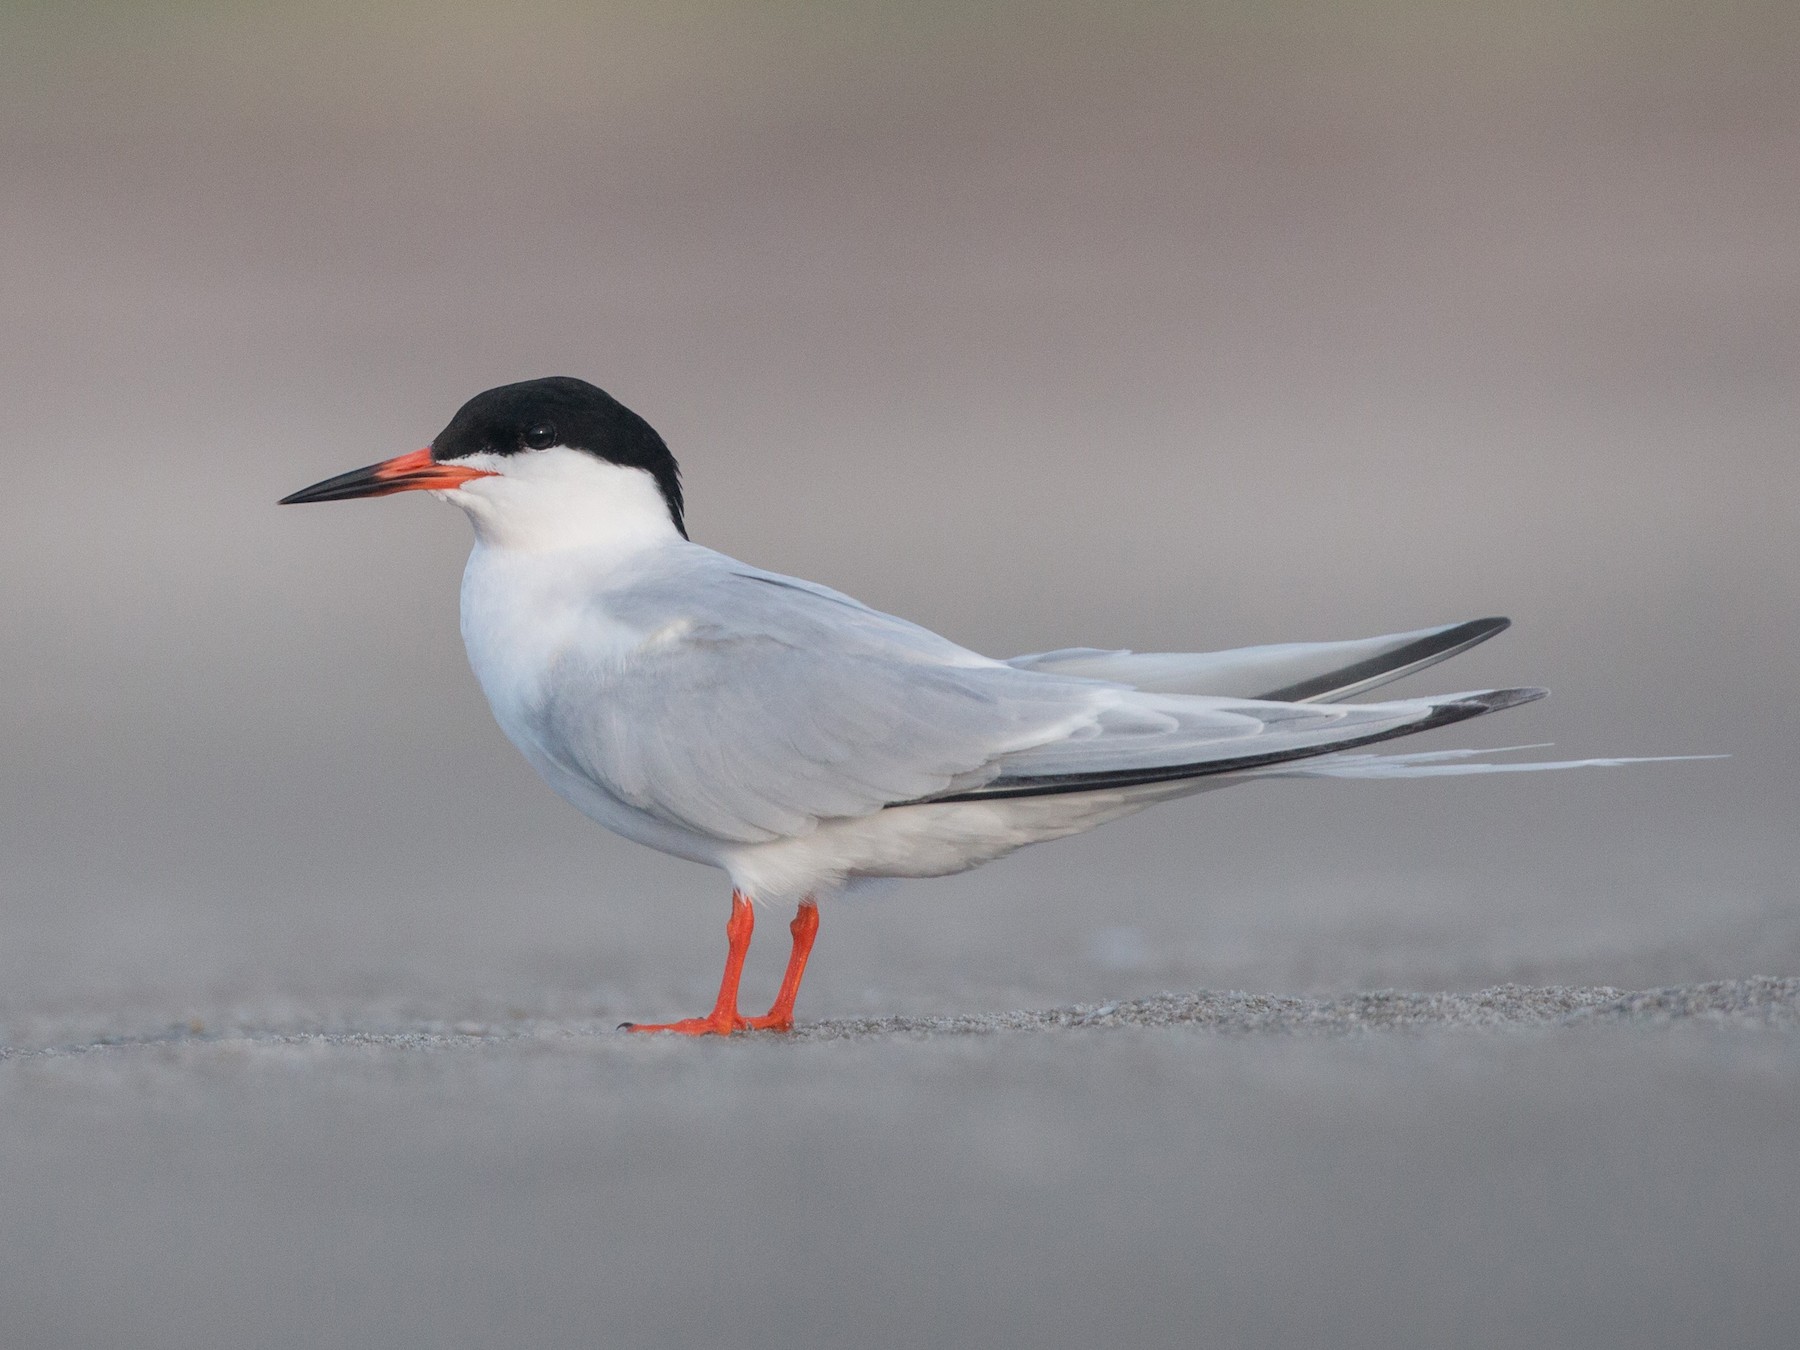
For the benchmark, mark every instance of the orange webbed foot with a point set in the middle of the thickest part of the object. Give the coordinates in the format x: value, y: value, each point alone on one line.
x: 695, y: 1026
x: 724, y: 1019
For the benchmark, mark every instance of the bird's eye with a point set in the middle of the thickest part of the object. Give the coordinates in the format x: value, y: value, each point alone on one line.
x: 540, y: 437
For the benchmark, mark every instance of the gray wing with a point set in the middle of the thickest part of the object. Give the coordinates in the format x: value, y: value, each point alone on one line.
x: 753, y: 706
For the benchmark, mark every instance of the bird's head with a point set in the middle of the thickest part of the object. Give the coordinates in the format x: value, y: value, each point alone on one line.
x: 547, y: 461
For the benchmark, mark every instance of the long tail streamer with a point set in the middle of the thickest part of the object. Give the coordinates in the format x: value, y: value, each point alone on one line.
x: 1445, y: 764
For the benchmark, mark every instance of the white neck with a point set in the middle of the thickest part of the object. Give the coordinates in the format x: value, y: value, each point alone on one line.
x: 546, y: 500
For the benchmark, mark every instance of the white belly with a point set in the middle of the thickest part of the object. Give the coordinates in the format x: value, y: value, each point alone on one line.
x: 933, y: 839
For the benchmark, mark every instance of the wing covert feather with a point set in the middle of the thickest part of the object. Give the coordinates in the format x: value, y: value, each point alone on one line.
x: 752, y: 711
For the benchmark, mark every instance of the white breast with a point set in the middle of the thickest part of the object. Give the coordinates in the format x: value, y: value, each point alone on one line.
x: 520, y: 613
x: 555, y: 532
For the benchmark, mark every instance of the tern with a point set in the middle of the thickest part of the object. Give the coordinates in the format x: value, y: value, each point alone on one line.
x: 801, y: 741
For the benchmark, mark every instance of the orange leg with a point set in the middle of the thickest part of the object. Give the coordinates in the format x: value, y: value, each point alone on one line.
x: 780, y: 1016
x: 723, y: 1019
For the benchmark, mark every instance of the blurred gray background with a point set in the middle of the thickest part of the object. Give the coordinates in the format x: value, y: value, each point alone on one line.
x: 1159, y: 326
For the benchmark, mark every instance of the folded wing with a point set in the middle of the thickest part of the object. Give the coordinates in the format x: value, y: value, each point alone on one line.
x: 768, y: 705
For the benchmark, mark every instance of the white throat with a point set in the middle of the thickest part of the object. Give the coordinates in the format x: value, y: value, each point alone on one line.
x: 543, y: 500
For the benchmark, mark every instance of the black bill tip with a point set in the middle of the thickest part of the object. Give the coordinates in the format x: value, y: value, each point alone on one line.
x: 341, y: 488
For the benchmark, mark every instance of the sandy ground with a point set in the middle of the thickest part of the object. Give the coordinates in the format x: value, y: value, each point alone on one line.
x: 1550, y: 1166
x: 1742, y: 1003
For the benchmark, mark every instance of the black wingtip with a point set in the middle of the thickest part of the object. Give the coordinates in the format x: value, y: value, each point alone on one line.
x: 1438, y: 644
x: 1460, y: 637
x: 1496, y: 700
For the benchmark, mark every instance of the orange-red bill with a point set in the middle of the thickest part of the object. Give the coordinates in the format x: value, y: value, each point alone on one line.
x: 404, y: 473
